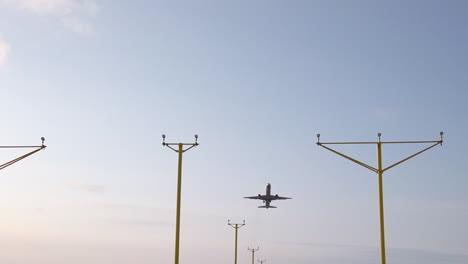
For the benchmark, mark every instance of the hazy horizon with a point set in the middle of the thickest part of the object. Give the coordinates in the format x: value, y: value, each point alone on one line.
x: 256, y: 80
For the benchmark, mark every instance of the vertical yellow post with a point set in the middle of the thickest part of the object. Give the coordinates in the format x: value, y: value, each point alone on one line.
x: 253, y: 252
x: 235, y: 226
x: 179, y: 190
x: 180, y: 150
x: 381, y: 209
x: 380, y: 170
x: 235, y: 247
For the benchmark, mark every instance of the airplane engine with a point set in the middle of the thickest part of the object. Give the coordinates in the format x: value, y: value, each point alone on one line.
x: 276, y: 196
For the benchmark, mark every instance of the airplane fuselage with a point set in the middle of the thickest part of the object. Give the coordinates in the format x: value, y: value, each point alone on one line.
x: 267, y: 198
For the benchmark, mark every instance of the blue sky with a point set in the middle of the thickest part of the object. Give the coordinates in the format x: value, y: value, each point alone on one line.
x: 256, y: 80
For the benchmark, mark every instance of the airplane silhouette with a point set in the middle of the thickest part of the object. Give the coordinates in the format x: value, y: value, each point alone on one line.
x: 267, y: 198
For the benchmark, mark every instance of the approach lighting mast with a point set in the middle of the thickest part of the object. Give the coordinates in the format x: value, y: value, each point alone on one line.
x: 11, y: 162
x: 236, y: 226
x: 380, y: 170
x: 253, y: 250
x: 180, y: 150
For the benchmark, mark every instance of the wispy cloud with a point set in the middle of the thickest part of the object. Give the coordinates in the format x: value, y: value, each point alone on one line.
x: 416, y: 256
x: 387, y: 114
x: 322, y: 245
x: 141, y: 222
x: 92, y: 188
x: 137, y: 216
x: 368, y: 254
x: 74, y: 14
x: 4, y: 50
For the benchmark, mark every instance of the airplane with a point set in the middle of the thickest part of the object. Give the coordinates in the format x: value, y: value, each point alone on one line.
x: 267, y: 198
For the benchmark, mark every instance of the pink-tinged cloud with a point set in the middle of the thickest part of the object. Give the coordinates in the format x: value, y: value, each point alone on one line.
x: 4, y: 51
x: 72, y: 13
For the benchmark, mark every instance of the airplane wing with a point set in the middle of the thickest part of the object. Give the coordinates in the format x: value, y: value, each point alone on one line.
x: 276, y: 197
x: 258, y: 197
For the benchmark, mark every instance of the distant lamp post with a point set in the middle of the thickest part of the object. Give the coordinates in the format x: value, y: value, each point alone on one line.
x: 253, y: 250
x: 180, y: 150
x: 236, y: 226
x: 380, y: 170
x: 11, y: 162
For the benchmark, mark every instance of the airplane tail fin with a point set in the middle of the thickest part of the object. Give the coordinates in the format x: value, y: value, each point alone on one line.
x: 267, y: 207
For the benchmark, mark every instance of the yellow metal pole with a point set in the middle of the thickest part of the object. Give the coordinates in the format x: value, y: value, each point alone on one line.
x: 253, y: 252
x: 235, y: 226
x: 380, y: 170
x: 381, y: 209
x: 235, y: 247
x: 180, y: 151
x: 11, y: 162
x: 179, y: 190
